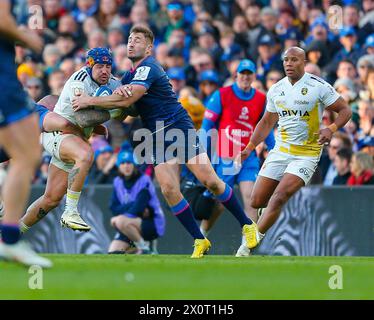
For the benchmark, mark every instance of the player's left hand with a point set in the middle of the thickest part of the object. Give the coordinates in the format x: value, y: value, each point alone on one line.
x: 81, y: 102
x: 325, y: 136
x: 124, y: 91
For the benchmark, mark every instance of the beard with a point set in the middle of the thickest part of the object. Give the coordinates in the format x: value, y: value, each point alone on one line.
x: 136, y: 58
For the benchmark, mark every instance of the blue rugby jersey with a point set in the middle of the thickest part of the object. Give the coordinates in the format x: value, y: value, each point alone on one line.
x: 160, y: 103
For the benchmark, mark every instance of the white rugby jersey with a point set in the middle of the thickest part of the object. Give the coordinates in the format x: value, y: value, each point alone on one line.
x: 79, y: 82
x: 300, y: 107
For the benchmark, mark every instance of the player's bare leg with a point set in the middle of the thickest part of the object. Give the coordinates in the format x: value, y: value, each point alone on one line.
x: 259, y: 197
x: 131, y: 227
x: 201, y: 167
x: 168, y: 179
x: 21, y: 142
x: 286, y: 188
x: 118, y: 246
x: 246, y: 188
x: 74, y: 149
x: 54, y: 192
x: 207, y: 224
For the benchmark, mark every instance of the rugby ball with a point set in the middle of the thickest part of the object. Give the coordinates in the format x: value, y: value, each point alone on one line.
x: 103, y: 91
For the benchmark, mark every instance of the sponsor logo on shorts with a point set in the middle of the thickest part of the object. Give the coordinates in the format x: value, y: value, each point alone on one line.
x: 305, y: 172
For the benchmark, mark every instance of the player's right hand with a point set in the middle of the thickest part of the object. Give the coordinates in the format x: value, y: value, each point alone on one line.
x: 239, y: 159
x: 124, y: 91
x: 33, y: 41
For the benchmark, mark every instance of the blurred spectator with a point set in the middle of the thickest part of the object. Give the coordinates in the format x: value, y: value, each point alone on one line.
x: 368, y: 13
x: 208, y: 84
x: 317, y: 53
x: 66, y: 44
x: 341, y: 163
x: 115, y: 37
x: 346, y: 88
x: 273, y: 77
x: 369, y: 45
x: 367, y: 145
x: 138, y: 214
x: 176, y: 19
x: 313, y: 69
x: 362, y: 166
x: 257, y: 84
x: 175, y: 58
x: 351, y: 18
x: 366, y: 114
x: 160, y: 17
x: 96, y: 39
x: 34, y: 88
x: 89, y: 25
x: 107, y: 15
x: 42, y: 174
x: 121, y: 62
x: 68, y: 67
x: 53, y: 11
x: 240, y: 27
x: 269, y: 58
x: 256, y: 30
x: 177, y: 79
x: 103, y: 170
x: 365, y: 63
x: 206, y: 40
x: 350, y: 51
x: 339, y: 140
x: 368, y: 94
x: 346, y: 69
x: 56, y: 81
x: 161, y: 54
x: 51, y: 58
x: 269, y: 19
x: 189, y: 99
x: 67, y: 24
x: 85, y: 9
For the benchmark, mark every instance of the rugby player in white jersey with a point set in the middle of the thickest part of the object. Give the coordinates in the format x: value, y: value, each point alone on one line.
x: 72, y: 156
x: 296, y: 103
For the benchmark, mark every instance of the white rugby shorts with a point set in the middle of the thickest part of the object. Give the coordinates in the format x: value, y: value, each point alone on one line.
x: 278, y: 163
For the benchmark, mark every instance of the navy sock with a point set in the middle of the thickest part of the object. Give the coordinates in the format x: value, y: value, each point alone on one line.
x: 10, y: 233
x: 184, y: 214
x: 229, y: 200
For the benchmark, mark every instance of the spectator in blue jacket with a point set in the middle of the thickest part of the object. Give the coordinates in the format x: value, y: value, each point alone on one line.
x: 138, y: 216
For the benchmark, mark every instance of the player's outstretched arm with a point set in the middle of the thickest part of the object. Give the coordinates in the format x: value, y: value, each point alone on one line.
x: 262, y: 130
x: 10, y: 31
x: 109, y: 102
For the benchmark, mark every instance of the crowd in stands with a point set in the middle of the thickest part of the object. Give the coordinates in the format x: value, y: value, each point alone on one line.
x: 200, y: 44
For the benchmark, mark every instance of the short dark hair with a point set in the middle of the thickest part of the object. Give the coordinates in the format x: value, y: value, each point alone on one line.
x: 344, y: 154
x: 148, y: 34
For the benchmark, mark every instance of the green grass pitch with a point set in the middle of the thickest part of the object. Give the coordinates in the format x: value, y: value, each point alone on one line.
x: 179, y: 277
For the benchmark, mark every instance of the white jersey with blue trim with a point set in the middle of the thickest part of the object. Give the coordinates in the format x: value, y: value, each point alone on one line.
x: 300, y: 107
x: 78, y: 83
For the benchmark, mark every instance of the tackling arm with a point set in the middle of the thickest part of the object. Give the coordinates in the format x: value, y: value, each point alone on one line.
x: 109, y: 102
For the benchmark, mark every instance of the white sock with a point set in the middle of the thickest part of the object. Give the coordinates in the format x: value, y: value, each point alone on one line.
x: 23, y: 227
x: 141, y: 244
x: 72, y: 199
x: 204, y: 232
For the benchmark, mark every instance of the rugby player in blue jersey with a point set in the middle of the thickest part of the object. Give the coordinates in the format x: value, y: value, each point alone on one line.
x: 19, y: 136
x: 147, y: 86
